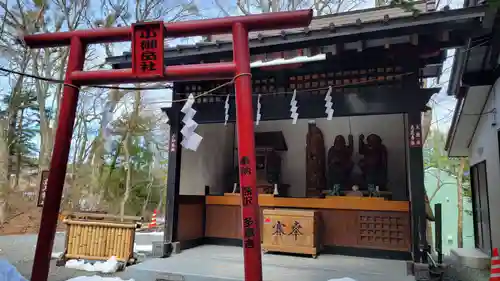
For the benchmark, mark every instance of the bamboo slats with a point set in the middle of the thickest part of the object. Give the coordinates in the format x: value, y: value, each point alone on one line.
x: 93, y: 236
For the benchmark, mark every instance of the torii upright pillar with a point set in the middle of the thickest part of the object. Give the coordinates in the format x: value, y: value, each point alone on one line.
x: 148, y: 66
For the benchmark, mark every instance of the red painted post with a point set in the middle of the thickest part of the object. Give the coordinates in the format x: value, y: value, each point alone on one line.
x: 250, y: 210
x: 57, y: 172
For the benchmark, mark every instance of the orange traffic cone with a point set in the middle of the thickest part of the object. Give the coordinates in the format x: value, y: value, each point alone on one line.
x: 495, y: 266
x: 153, y: 220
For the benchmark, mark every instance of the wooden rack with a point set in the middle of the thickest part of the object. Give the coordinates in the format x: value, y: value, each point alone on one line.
x: 92, y: 236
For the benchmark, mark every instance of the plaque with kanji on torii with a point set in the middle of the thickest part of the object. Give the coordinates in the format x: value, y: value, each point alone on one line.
x: 148, y: 49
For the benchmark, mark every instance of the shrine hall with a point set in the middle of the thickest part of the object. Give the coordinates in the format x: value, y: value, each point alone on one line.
x: 338, y: 110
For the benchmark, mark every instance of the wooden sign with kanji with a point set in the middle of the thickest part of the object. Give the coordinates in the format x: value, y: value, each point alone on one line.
x: 44, y: 177
x: 415, y: 135
x: 147, y: 49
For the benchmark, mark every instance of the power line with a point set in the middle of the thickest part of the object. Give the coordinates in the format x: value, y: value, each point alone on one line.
x: 59, y: 81
x: 479, y: 114
x: 442, y: 118
x: 449, y: 115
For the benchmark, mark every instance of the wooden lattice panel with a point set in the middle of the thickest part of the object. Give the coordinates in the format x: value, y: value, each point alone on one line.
x: 347, y: 80
x: 386, y: 230
x: 341, y: 81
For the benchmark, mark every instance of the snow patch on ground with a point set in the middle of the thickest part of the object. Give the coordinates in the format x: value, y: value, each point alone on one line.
x: 108, y: 266
x: 159, y: 233
x: 57, y: 255
x: 97, y: 278
x: 342, y: 279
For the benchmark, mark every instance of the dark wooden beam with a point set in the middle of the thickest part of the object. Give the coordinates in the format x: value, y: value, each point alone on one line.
x: 361, y: 86
x: 481, y: 78
x: 175, y: 57
x: 417, y: 188
x: 495, y: 47
x: 438, y: 232
x: 173, y: 181
x: 367, y: 101
x: 374, y: 68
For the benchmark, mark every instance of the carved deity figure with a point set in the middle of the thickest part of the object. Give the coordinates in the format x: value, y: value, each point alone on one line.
x: 315, y: 161
x: 340, y: 164
x: 374, y: 163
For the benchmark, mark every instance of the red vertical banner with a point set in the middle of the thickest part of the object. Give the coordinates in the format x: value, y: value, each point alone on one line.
x: 44, y: 178
x: 148, y: 49
x: 415, y: 135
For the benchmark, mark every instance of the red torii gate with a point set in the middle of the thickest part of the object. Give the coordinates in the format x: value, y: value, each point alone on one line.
x: 147, y: 71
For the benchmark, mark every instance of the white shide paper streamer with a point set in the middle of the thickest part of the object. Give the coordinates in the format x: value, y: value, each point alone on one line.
x: 329, y: 104
x: 258, y: 115
x: 293, y: 108
x: 190, y: 139
x: 226, y: 111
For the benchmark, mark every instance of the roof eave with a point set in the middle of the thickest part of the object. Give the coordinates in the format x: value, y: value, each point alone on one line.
x: 326, y: 36
x: 457, y: 70
x: 456, y: 117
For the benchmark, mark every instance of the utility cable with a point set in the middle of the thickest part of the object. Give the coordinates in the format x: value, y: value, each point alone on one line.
x: 59, y: 81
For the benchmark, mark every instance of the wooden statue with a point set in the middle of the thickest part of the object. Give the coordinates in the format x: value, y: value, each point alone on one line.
x: 374, y: 162
x: 315, y: 161
x: 340, y: 164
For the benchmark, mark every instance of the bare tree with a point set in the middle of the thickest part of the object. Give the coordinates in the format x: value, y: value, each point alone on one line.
x: 320, y: 7
x: 20, y: 18
x: 88, y: 152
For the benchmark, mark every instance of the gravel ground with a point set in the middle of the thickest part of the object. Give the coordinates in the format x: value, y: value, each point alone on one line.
x: 454, y: 272
x: 63, y: 274
x: 465, y: 274
x: 57, y: 273
x: 21, y: 248
x: 19, y: 251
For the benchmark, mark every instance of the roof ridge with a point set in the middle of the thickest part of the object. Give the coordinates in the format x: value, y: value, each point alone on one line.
x: 367, y: 10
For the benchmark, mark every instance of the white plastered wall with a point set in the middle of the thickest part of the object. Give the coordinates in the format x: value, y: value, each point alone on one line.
x: 389, y: 127
x: 484, y: 146
x: 213, y: 160
x: 208, y: 166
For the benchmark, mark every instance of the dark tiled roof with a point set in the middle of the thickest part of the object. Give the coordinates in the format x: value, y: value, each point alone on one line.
x: 339, y: 19
x: 375, y: 33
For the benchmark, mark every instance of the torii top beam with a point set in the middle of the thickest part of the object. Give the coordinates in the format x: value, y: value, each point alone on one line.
x: 279, y: 20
